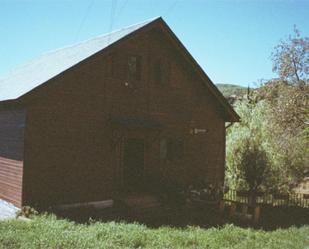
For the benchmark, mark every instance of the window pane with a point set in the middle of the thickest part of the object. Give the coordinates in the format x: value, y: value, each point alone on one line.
x: 132, y: 64
x: 109, y: 66
x: 167, y: 73
x: 157, y: 74
x: 175, y: 149
x: 161, y: 72
x: 134, y: 67
x: 163, y: 148
x: 179, y: 148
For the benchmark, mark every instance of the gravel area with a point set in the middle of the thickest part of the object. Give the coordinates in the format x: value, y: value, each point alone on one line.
x: 7, y: 210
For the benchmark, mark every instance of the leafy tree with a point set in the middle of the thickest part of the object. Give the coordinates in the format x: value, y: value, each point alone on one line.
x: 254, y: 163
x: 289, y: 104
x: 290, y: 107
x: 268, y: 149
x: 249, y: 147
x: 263, y: 153
x: 291, y: 58
x: 288, y: 97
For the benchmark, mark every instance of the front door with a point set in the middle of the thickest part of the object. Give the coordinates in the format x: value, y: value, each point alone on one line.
x: 133, y: 162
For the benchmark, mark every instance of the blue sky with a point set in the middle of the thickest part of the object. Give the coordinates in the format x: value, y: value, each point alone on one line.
x: 231, y: 39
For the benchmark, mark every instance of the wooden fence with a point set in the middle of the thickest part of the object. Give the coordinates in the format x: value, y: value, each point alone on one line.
x: 278, y: 199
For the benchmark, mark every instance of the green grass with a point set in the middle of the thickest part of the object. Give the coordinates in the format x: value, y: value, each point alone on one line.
x: 49, y: 232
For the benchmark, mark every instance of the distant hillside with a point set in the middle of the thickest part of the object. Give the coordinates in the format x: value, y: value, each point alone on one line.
x: 229, y: 89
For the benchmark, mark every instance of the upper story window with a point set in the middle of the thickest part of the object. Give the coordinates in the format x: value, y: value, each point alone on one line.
x: 110, y: 65
x: 167, y: 74
x: 134, y: 67
x: 163, y: 148
x: 161, y: 72
x: 157, y: 72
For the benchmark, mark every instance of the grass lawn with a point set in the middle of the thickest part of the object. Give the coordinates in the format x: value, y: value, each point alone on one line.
x: 50, y: 232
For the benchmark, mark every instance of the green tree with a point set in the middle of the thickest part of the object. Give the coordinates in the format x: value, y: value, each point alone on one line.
x: 268, y: 149
x: 291, y: 58
x: 249, y: 147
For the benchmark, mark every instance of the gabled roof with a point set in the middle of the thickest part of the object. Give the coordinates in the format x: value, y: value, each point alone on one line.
x: 27, y: 77
x: 38, y: 71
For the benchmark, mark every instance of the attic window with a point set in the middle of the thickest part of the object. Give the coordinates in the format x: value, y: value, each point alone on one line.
x: 163, y: 148
x: 110, y: 66
x: 161, y: 72
x: 157, y: 72
x: 167, y: 73
x: 134, y: 67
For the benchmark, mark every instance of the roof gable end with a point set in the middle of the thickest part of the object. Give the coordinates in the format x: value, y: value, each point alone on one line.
x: 38, y: 71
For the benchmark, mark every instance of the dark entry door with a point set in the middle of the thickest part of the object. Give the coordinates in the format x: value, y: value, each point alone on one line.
x: 133, y: 164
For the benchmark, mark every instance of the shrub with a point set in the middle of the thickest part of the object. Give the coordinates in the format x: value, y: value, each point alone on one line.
x: 27, y: 212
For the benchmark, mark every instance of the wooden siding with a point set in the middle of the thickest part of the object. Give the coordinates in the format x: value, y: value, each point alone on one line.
x: 75, y: 154
x: 12, y: 123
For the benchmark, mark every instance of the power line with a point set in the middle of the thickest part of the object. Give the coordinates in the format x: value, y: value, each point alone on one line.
x: 112, y: 17
x: 171, y: 7
x: 121, y: 8
x: 84, y: 19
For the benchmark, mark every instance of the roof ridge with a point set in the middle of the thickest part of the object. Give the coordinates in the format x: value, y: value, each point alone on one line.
x: 100, y: 36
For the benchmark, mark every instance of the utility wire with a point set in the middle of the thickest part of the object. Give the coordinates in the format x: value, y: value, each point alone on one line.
x: 171, y: 8
x: 121, y: 8
x: 112, y: 18
x: 84, y: 19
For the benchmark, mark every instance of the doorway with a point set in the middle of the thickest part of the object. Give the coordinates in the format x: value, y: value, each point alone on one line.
x: 133, y: 164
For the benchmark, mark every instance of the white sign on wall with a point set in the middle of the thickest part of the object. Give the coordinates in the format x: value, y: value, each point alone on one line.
x: 198, y: 131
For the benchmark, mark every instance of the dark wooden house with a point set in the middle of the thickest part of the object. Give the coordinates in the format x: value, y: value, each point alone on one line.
x: 116, y: 113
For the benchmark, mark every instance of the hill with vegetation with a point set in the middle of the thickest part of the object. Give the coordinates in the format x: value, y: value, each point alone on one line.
x: 230, y: 89
x: 232, y: 92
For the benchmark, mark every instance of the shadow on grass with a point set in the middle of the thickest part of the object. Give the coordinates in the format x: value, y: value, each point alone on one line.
x: 182, y: 216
